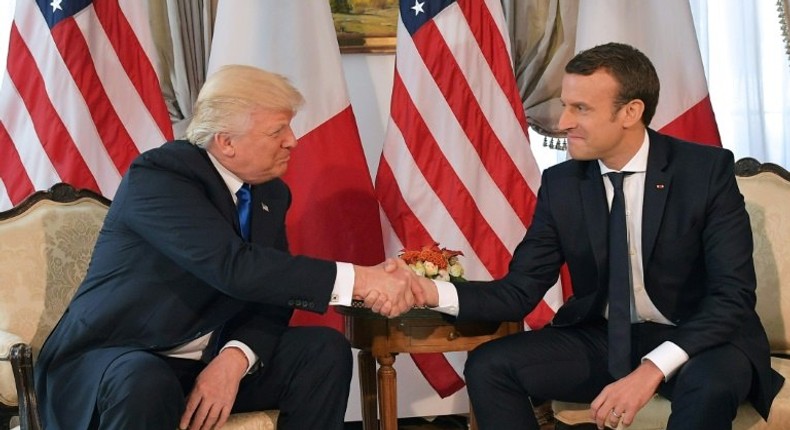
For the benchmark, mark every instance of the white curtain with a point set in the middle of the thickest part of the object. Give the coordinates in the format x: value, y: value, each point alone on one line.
x: 748, y: 76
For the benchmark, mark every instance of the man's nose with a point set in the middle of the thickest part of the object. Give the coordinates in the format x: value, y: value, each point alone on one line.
x: 289, y: 140
x: 566, y: 121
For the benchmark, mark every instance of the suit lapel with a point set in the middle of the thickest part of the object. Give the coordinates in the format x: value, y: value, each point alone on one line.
x: 596, y: 211
x: 217, y: 192
x: 657, y: 182
x: 268, y: 211
x: 268, y: 203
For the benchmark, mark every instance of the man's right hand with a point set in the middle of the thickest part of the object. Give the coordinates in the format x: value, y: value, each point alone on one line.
x: 211, y: 400
x: 428, y: 291
x: 389, y: 288
x: 424, y: 290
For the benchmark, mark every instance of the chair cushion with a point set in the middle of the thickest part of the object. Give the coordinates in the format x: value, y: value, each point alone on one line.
x: 654, y: 415
x: 266, y: 420
x: 768, y: 203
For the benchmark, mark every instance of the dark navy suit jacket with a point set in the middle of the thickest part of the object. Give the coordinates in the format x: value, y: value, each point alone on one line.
x: 170, y: 266
x: 696, y: 251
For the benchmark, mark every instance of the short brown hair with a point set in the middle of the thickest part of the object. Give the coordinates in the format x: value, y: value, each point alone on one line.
x: 632, y: 70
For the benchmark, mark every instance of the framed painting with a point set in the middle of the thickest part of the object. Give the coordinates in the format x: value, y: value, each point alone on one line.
x: 367, y: 26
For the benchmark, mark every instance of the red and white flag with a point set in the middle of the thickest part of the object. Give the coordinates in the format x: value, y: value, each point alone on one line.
x: 664, y: 31
x: 80, y: 97
x: 334, y: 213
x: 456, y: 166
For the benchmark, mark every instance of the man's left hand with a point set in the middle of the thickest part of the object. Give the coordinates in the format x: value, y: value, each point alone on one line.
x: 622, y: 399
x: 211, y: 400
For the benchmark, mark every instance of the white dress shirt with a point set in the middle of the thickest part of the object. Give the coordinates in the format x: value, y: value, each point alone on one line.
x: 342, y: 292
x: 668, y: 357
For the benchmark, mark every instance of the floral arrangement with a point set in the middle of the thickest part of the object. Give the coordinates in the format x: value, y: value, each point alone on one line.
x: 433, y: 262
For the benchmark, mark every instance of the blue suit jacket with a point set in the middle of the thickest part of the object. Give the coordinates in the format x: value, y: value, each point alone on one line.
x: 170, y: 266
x: 696, y: 251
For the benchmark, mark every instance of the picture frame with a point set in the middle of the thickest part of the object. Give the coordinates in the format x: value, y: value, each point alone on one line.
x: 365, y: 26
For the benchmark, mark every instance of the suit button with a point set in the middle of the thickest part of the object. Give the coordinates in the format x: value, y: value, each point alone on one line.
x: 290, y: 302
x: 298, y: 303
x: 310, y: 305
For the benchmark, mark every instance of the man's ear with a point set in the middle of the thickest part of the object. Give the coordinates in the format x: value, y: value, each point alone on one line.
x: 223, y: 143
x: 633, y: 112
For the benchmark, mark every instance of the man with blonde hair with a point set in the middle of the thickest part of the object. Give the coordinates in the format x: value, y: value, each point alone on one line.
x: 183, y: 315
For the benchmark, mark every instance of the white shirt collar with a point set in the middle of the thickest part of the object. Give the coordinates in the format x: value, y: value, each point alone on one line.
x: 231, y: 181
x: 638, y: 163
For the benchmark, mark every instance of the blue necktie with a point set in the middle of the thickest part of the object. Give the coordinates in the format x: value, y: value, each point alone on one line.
x: 619, y: 283
x: 243, y: 206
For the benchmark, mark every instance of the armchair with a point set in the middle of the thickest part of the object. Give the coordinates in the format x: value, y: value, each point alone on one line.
x: 766, y: 189
x: 45, y: 247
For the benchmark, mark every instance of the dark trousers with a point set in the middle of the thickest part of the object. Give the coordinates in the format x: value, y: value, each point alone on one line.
x: 307, y: 380
x: 570, y: 364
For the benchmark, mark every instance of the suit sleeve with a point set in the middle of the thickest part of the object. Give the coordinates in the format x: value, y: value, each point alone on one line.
x: 533, y: 269
x: 167, y: 206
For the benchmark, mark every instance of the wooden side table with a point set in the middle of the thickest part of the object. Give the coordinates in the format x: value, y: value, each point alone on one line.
x: 419, y: 330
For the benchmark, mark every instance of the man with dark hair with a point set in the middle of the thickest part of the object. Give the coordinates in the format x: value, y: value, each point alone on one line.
x: 658, y: 243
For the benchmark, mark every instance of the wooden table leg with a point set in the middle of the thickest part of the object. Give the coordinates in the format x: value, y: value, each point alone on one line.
x: 388, y: 393
x: 367, y: 388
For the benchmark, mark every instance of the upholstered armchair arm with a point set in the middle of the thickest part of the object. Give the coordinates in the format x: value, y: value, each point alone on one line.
x: 8, y: 394
x: 16, y: 382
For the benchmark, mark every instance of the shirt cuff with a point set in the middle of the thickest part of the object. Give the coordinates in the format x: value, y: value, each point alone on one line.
x: 252, y: 358
x: 668, y: 357
x: 343, y: 291
x: 448, y: 298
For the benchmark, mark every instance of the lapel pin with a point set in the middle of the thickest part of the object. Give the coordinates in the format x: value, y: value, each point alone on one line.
x: 264, y: 207
x: 659, y: 186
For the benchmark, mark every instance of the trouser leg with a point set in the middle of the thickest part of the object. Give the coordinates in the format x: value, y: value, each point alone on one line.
x: 708, y: 389
x: 308, y: 380
x: 139, y: 391
x: 552, y: 363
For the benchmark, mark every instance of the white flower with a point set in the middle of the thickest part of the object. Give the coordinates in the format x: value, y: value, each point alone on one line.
x: 456, y: 270
x: 443, y: 275
x: 418, y: 268
x: 431, y: 269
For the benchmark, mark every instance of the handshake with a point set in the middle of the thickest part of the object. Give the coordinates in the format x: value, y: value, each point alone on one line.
x: 392, y: 288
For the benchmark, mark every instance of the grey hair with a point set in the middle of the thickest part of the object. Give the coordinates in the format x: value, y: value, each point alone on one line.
x: 231, y: 94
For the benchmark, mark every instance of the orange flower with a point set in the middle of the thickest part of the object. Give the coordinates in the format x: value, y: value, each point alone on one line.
x: 445, y: 262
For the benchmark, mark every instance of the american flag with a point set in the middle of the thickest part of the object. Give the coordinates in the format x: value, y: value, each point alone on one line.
x: 80, y: 97
x: 456, y: 166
